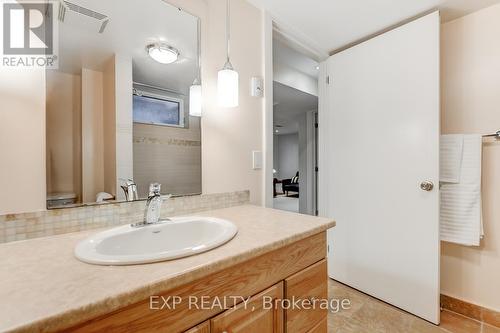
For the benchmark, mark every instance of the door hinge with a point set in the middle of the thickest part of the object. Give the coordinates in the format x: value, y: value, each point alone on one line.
x: 328, y: 248
x: 316, y: 169
x: 316, y: 125
x: 328, y: 79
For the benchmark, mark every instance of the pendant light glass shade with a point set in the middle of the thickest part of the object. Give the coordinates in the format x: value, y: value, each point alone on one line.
x: 228, y: 78
x: 195, y: 99
x: 228, y: 87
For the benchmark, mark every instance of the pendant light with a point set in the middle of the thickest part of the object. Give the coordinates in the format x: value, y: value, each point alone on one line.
x: 227, y: 78
x: 195, y: 88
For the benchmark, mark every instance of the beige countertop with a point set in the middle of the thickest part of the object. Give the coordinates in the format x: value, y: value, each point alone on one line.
x: 43, y: 287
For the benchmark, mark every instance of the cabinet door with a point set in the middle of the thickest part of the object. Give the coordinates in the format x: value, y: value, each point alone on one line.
x: 254, y: 316
x: 310, y: 284
x: 202, y: 328
x: 321, y: 327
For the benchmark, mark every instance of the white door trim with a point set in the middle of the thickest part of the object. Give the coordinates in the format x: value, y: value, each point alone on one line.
x: 267, y: 119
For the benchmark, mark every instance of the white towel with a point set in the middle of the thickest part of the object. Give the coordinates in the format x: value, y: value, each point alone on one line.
x: 460, y: 212
x: 450, y: 158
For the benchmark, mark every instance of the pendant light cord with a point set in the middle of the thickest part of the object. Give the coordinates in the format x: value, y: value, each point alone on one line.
x: 228, y: 22
x: 198, y: 22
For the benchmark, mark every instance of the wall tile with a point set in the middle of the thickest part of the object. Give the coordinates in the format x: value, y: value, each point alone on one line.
x: 15, y: 227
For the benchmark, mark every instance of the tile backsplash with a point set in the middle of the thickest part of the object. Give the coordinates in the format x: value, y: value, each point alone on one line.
x: 15, y: 227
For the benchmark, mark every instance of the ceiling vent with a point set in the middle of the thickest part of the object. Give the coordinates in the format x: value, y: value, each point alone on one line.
x: 81, y: 16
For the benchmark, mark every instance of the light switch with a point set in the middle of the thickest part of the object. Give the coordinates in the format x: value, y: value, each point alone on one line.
x: 257, y: 87
x: 257, y: 159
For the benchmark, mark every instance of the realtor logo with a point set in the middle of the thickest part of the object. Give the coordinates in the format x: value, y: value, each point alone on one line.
x: 29, y: 34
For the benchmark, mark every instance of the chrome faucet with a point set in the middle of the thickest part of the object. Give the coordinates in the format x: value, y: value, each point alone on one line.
x: 153, y: 207
x: 130, y: 189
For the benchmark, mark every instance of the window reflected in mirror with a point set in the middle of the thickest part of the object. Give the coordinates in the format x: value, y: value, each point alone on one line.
x: 158, y: 110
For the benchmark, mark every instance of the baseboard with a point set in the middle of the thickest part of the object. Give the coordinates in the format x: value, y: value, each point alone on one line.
x: 470, y: 310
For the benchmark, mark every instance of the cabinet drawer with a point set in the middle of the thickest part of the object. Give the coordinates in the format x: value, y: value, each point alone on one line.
x: 255, y: 316
x: 309, y: 284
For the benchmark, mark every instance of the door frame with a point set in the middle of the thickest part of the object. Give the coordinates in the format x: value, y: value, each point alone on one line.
x: 270, y: 26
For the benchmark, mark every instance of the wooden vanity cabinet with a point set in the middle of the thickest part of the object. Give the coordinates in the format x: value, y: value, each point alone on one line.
x: 202, y: 328
x: 309, y: 284
x: 295, y: 270
x: 252, y: 316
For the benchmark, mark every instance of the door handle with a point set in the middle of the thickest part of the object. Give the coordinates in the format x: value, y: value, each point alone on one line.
x: 426, y: 185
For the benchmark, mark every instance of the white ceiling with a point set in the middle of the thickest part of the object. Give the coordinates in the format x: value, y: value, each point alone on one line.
x: 289, y: 105
x: 133, y: 24
x: 328, y: 25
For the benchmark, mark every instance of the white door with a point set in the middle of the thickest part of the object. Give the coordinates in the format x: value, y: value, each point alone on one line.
x: 379, y: 140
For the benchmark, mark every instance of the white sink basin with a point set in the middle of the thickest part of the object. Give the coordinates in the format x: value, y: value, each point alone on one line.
x: 181, y: 237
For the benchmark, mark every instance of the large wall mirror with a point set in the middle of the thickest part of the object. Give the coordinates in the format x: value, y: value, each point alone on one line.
x: 118, y: 113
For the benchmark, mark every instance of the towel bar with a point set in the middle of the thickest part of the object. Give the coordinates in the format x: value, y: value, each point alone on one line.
x: 495, y: 135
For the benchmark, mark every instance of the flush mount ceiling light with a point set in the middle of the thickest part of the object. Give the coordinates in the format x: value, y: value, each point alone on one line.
x: 162, y: 53
x: 227, y: 78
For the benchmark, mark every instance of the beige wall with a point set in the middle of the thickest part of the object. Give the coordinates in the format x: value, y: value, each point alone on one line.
x: 109, y: 126
x: 124, y: 129
x: 92, y: 135
x: 230, y: 135
x: 117, y: 124
x: 63, y: 132
x: 471, y: 104
x: 22, y: 140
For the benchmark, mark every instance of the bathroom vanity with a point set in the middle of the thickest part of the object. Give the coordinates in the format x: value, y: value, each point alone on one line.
x: 241, y: 286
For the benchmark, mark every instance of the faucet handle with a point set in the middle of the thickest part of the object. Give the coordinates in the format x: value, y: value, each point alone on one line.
x: 154, y: 189
x: 127, y: 182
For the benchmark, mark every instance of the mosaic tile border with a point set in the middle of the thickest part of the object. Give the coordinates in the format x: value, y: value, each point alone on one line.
x: 14, y: 227
x: 170, y: 142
